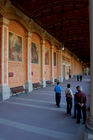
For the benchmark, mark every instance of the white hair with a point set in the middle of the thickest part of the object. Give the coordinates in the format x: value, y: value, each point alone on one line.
x: 81, y: 88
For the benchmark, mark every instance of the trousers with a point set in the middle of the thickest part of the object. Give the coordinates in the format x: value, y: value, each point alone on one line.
x: 58, y: 98
x: 69, y: 105
x: 83, y: 109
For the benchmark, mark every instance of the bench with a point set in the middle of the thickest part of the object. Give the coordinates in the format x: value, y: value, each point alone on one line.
x: 48, y: 82
x: 37, y: 85
x: 17, y: 90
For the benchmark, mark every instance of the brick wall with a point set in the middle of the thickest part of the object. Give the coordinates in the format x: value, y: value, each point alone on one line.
x: 18, y: 68
x: 47, y: 72
x: 36, y: 68
x: 5, y: 55
x: 58, y: 64
x: 0, y: 53
x: 55, y: 67
x: 75, y: 65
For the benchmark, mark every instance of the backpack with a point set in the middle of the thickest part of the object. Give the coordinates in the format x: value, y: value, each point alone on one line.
x: 68, y: 95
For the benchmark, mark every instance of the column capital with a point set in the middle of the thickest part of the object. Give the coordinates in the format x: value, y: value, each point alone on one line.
x: 59, y: 51
x: 4, y: 21
x: 52, y: 45
x: 28, y: 34
x: 42, y: 41
x: 44, y: 34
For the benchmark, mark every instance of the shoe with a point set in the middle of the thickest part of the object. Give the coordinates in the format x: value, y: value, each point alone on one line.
x: 58, y: 106
x: 67, y: 114
x: 83, y: 123
x: 74, y: 117
x: 78, y: 122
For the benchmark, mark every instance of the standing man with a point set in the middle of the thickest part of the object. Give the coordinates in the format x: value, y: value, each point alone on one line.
x: 81, y: 100
x: 75, y: 103
x: 58, y: 91
x: 69, y: 95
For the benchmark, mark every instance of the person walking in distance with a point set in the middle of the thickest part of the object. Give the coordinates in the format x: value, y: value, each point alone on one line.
x: 81, y: 101
x: 58, y: 91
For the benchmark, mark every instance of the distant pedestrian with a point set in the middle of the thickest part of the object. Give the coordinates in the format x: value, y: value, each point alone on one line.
x: 69, y: 95
x: 80, y: 77
x: 81, y: 100
x: 58, y: 91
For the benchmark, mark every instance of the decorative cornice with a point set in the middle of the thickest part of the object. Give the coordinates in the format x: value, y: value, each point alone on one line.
x: 52, y: 46
x: 2, y: 10
x: 4, y: 21
x: 42, y: 42
x: 28, y: 34
x: 59, y: 51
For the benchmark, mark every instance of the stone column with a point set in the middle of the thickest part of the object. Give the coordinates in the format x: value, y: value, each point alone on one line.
x: 4, y: 89
x: 52, y: 72
x: 43, y: 63
x: 60, y: 76
x: 28, y: 84
x: 89, y: 123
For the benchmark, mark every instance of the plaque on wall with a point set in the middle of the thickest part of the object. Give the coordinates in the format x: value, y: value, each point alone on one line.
x: 10, y: 74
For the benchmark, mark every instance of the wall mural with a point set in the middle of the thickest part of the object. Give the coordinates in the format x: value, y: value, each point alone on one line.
x: 15, y: 47
x: 34, y: 53
x: 46, y: 56
x: 54, y: 59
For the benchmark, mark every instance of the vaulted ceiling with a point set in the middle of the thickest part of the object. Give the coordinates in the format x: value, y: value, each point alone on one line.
x: 66, y: 20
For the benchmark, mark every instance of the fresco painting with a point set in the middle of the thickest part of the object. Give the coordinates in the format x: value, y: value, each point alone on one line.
x: 15, y: 47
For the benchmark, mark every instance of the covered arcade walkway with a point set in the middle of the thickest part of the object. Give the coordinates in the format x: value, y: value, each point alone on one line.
x: 34, y: 116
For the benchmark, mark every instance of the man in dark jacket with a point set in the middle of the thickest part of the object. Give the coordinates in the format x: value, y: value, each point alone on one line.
x: 81, y: 100
x: 75, y: 104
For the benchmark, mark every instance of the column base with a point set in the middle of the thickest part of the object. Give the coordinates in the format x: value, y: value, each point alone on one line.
x: 52, y: 80
x: 89, y: 124
x: 66, y: 78
x: 4, y: 92
x: 88, y: 135
x: 60, y: 79
x: 43, y: 82
x: 29, y: 86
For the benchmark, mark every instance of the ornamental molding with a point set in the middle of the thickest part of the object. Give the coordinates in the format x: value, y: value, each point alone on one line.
x: 4, y: 21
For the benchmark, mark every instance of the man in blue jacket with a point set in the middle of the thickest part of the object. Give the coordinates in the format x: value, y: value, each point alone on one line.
x: 58, y: 90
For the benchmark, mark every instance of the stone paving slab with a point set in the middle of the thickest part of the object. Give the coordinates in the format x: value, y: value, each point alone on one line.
x: 35, y: 116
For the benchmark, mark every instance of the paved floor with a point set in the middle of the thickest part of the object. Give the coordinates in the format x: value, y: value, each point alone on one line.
x: 35, y: 116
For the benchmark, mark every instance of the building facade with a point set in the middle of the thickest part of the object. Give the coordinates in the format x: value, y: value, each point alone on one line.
x: 28, y: 54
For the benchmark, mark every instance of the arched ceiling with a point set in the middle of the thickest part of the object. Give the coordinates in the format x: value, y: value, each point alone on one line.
x: 66, y: 20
